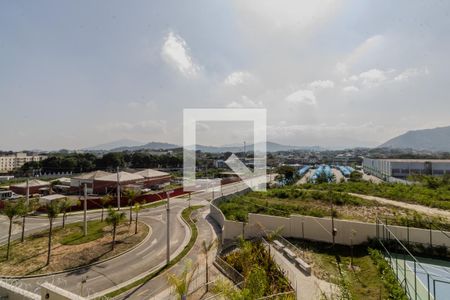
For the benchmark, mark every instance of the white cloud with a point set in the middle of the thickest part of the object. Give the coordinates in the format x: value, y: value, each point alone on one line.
x: 410, y: 73
x: 350, y: 88
x: 175, y: 52
x: 237, y: 78
x: 302, y: 96
x: 363, y: 50
x: 372, y: 77
x: 376, y: 77
x: 324, y: 84
x: 245, y: 102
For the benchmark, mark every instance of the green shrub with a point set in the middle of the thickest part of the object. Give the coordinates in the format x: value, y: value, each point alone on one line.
x: 396, y: 292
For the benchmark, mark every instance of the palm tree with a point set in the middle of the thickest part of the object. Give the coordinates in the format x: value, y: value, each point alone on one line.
x: 137, y: 209
x: 182, y: 282
x: 24, y: 209
x: 11, y: 210
x: 64, y: 206
x: 105, y: 200
x: 131, y: 195
x: 114, y: 219
x: 206, y: 248
x: 53, y: 209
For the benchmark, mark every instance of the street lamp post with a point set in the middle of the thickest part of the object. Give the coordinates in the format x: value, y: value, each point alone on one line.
x: 85, y: 210
x: 168, y: 228
x: 118, y: 189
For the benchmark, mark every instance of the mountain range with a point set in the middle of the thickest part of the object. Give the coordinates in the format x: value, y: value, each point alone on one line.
x: 436, y: 139
x: 129, y: 145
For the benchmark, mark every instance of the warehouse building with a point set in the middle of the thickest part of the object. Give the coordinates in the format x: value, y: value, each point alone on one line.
x: 387, y: 169
x: 78, y: 182
x: 35, y: 187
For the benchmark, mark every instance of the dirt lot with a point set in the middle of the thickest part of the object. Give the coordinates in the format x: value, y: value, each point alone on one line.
x: 31, y: 256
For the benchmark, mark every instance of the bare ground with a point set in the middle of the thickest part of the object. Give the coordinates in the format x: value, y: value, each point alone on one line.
x: 30, y: 257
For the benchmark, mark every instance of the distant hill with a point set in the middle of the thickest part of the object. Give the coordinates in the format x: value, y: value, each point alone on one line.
x: 270, y: 146
x: 128, y: 145
x: 113, y: 145
x: 148, y: 146
x: 437, y: 139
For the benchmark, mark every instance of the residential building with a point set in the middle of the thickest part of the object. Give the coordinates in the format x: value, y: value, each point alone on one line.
x: 10, y: 162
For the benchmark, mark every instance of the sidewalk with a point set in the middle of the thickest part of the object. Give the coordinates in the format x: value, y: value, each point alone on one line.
x: 306, y: 287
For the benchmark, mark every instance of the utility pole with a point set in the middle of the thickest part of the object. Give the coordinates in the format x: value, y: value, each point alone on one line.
x: 168, y: 228
x: 189, y: 199
x: 333, y: 230
x: 27, y: 201
x: 85, y: 210
x: 28, y: 193
x: 118, y: 189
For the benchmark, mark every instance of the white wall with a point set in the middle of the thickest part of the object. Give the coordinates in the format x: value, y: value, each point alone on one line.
x: 319, y: 229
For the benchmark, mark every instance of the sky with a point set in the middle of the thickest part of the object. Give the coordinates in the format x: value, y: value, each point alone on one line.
x: 337, y: 74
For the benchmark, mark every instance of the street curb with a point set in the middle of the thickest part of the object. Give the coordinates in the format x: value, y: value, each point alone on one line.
x: 84, y: 266
x: 153, y: 270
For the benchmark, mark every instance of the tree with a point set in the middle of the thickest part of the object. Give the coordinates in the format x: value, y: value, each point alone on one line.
x: 64, y: 206
x: 23, y: 210
x: 355, y: 176
x: 114, y: 219
x: 206, y: 248
x: 11, y: 210
x: 131, y: 195
x: 103, y: 201
x: 137, y: 209
x: 53, y: 209
x: 182, y: 282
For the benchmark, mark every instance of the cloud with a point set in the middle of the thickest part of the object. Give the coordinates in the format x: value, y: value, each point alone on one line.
x: 302, y: 96
x: 410, y: 73
x: 376, y: 77
x: 363, y: 50
x: 245, y: 102
x: 372, y: 77
x: 350, y: 88
x: 175, y: 52
x: 324, y: 84
x: 237, y: 78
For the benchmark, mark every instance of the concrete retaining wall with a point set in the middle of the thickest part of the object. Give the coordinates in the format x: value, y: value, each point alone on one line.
x: 319, y: 229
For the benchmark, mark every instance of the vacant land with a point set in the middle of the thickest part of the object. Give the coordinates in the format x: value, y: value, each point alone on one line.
x: 70, y: 248
x: 360, y: 280
x: 424, y: 193
x: 292, y: 200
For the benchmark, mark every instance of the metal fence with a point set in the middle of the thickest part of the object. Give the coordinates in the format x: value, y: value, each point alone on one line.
x: 420, y: 280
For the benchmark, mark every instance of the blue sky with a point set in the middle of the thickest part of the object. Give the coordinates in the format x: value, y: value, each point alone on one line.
x: 331, y: 73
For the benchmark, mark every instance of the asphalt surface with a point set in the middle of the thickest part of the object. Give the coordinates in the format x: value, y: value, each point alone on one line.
x: 147, y: 257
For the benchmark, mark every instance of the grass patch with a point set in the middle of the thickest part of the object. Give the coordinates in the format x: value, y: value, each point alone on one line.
x: 431, y: 196
x: 74, y: 233
x: 332, y: 264
x: 186, y: 217
x: 154, y: 204
x: 292, y: 200
x: 70, y: 249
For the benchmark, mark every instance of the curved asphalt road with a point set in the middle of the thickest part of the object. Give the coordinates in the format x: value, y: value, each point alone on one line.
x: 147, y: 256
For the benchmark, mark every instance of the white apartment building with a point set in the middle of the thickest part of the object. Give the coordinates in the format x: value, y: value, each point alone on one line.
x: 14, y: 161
